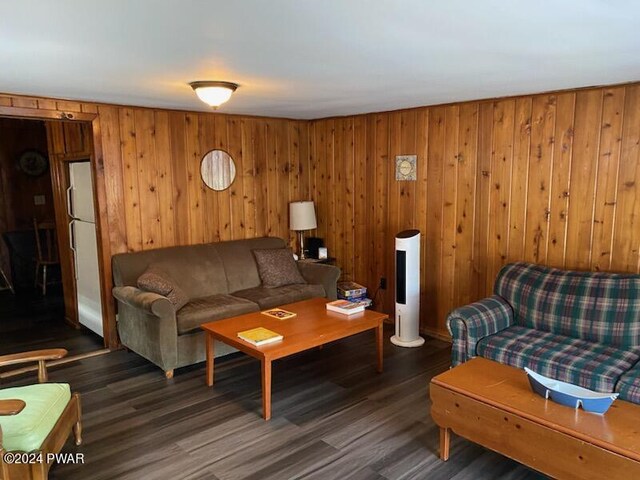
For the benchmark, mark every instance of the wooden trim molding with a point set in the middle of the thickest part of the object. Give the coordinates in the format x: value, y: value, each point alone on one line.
x: 102, y: 224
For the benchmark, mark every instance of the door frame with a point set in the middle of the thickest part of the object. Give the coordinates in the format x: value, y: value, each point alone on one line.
x: 102, y: 223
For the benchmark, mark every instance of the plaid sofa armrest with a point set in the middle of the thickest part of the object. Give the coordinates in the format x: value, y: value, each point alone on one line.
x: 469, y: 324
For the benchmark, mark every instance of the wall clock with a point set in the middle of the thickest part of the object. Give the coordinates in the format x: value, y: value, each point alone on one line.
x: 406, y: 167
x: 33, y: 163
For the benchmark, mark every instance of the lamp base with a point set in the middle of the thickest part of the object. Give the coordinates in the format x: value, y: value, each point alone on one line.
x: 301, y: 255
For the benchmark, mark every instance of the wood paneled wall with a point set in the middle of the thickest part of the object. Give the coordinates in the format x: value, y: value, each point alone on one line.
x: 155, y: 191
x: 551, y: 179
x: 148, y: 166
x: 155, y: 196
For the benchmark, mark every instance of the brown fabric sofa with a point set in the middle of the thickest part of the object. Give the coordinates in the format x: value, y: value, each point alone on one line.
x: 221, y: 281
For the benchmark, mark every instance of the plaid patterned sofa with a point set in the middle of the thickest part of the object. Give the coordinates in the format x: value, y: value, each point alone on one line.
x: 578, y: 327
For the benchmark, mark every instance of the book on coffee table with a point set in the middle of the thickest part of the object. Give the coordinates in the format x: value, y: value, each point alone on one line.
x: 278, y: 313
x: 259, y: 336
x: 345, y: 306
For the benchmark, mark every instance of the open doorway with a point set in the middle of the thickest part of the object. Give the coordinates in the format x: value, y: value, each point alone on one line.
x: 42, y: 219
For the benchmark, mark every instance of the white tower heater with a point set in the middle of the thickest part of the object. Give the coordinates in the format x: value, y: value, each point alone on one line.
x: 408, y: 290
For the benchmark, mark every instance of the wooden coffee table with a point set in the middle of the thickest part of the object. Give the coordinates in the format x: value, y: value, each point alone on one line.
x: 493, y: 405
x: 312, y: 327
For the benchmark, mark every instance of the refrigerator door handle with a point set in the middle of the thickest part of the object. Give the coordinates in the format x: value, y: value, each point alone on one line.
x: 72, y: 246
x: 69, y: 200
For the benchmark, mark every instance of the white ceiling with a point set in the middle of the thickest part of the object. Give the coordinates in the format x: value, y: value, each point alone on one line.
x: 310, y: 59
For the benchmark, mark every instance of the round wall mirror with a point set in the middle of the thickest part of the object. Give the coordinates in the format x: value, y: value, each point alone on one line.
x: 217, y: 170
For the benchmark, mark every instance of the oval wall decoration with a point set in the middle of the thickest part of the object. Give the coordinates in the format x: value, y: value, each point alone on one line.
x: 217, y: 170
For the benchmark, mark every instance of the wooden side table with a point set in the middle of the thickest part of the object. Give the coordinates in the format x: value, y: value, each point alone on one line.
x: 326, y: 261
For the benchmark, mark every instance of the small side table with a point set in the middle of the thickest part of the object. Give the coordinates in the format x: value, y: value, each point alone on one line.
x: 326, y: 261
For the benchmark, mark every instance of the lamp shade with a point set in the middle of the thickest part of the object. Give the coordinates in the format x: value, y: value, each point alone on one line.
x: 302, y: 216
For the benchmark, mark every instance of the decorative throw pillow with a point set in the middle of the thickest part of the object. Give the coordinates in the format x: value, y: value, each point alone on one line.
x: 158, y: 281
x: 277, y: 267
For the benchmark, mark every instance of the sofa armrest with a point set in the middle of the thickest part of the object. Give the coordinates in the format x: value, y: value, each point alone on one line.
x: 321, y: 274
x: 469, y: 324
x: 148, y: 301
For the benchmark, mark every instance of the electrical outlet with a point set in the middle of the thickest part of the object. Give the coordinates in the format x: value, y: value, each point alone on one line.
x: 383, y: 283
x: 39, y: 200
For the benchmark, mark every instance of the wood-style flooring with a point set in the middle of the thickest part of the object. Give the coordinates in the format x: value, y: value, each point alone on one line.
x: 31, y: 321
x: 333, y: 418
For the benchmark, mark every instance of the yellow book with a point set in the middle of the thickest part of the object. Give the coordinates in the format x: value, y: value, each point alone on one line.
x: 259, y: 336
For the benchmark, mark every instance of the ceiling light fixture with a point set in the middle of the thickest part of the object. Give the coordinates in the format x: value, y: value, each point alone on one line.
x: 214, y: 93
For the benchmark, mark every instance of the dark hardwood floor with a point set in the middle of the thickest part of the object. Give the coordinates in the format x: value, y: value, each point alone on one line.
x: 30, y: 321
x: 333, y: 418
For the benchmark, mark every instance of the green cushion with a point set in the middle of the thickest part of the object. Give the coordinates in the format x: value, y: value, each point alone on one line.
x: 45, y: 402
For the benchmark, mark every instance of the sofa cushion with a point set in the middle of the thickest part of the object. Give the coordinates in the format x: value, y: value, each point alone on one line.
x: 274, y: 297
x: 589, y: 365
x: 595, y: 306
x: 198, y: 269
x: 208, y: 309
x: 277, y: 267
x: 158, y: 281
x: 44, y: 403
x: 239, y: 263
x: 629, y: 385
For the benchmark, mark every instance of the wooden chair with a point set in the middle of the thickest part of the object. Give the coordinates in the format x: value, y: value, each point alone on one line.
x: 46, y: 251
x: 51, y: 406
x: 4, y: 278
x: 7, y: 285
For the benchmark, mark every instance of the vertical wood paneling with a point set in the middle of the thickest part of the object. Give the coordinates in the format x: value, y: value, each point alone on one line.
x: 560, y: 179
x: 433, y: 244
x: 583, y: 178
x: 283, y: 169
x: 130, y: 177
x: 626, y: 232
x: 346, y: 209
x: 180, y: 179
x: 223, y: 198
x: 520, y: 179
x: 422, y: 188
x: 148, y: 176
x: 552, y: 178
x: 539, y: 179
x: 114, y: 181
x: 499, y: 198
x: 249, y: 152
x: 465, y: 203
x: 382, y: 240
x: 210, y: 207
x: 243, y: 219
x: 361, y: 186
x: 483, y: 195
x: 449, y: 209
x: 193, y: 156
x: 607, y: 178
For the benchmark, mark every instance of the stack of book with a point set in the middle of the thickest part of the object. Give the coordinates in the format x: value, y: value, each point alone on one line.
x: 354, y: 292
x: 345, y: 307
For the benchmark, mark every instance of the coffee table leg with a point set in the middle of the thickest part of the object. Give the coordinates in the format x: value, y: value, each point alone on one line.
x: 210, y: 358
x: 445, y: 437
x: 266, y: 389
x: 379, y: 346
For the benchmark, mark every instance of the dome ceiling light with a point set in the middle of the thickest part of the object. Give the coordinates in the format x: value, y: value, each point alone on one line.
x: 214, y: 93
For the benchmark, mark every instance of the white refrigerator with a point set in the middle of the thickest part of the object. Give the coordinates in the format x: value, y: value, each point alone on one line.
x: 82, y: 235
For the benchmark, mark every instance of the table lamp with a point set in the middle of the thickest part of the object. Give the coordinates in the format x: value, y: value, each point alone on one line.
x: 302, y: 216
